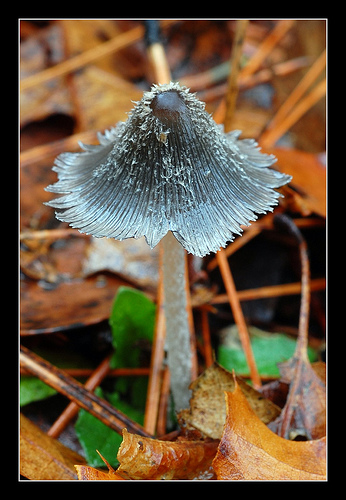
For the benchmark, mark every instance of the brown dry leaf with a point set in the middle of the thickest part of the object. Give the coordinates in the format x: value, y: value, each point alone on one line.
x: 103, y: 96
x: 249, y: 450
x: 85, y: 34
x: 131, y: 259
x: 111, y: 97
x: 304, y: 413
x: 146, y: 458
x: 76, y: 303
x: 277, y: 390
x: 87, y: 473
x: 207, y: 411
x: 37, y: 53
x: 45, y: 458
x: 309, y: 177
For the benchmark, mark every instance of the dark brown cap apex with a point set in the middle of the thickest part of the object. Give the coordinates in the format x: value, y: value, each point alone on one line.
x: 168, y: 106
x: 169, y: 167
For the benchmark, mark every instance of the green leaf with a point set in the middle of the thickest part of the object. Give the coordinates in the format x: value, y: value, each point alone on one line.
x: 132, y: 322
x: 269, y: 349
x: 94, y: 435
x: 33, y: 389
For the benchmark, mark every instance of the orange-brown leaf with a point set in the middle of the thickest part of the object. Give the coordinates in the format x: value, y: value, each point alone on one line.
x: 88, y: 473
x: 44, y: 458
x: 146, y: 458
x: 309, y: 176
x: 249, y: 450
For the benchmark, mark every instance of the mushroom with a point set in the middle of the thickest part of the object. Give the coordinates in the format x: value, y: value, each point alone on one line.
x: 168, y: 169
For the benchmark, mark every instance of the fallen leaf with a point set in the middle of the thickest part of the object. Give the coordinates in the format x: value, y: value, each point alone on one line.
x: 309, y: 177
x: 45, y: 458
x: 37, y: 53
x: 87, y: 473
x: 304, y: 413
x: 111, y: 96
x: 76, y: 303
x: 249, y: 450
x: 147, y: 458
x: 132, y: 259
x: 207, y: 411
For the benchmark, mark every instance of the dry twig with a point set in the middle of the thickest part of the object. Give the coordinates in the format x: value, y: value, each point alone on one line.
x: 66, y: 385
x: 266, y: 47
x: 296, y: 113
x: 238, y: 316
x: 233, y: 85
x: 77, y: 62
x: 72, y: 409
x: 274, y: 129
x: 156, y: 365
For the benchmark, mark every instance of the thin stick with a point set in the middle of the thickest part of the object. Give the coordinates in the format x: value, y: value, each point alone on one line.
x: 221, y: 256
x: 72, y: 409
x: 162, y: 412
x: 238, y: 316
x: 50, y: 234
x: 114, y: 372
x: 261, y: 76
x: 156, y: 363
x: 159, y: 64
x: 305, y: 104
x: 302, y: 342
x: 261, y: 53
x: 208, y: 351
x: 117, y: 43
x: 266, y: 222
x: 193, y: 348
x: 156, y: 53
x: 278, y: 69
x: 236, y: 245
x: 74, y: 63
x: 300, y: 359
x: 264, y: 292
x: 233, y: 85
x: 201, y: 81
x: 286, y: 108
x: 266, y: 47
x: 47, y: 151
x: 69, y: 387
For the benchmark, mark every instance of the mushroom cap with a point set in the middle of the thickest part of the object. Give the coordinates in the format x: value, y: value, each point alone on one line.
x: 169, y: 167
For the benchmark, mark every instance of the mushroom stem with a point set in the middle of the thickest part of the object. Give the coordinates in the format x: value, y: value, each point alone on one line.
x: 173, y: 266
x: 179, y: 352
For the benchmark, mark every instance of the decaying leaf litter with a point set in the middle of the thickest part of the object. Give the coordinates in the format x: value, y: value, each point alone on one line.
x: 205, y: 298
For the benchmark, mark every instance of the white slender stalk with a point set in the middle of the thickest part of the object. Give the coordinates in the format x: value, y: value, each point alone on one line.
x: 179, y: 354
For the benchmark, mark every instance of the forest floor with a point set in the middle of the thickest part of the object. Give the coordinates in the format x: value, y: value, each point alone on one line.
x: 91, y: 335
